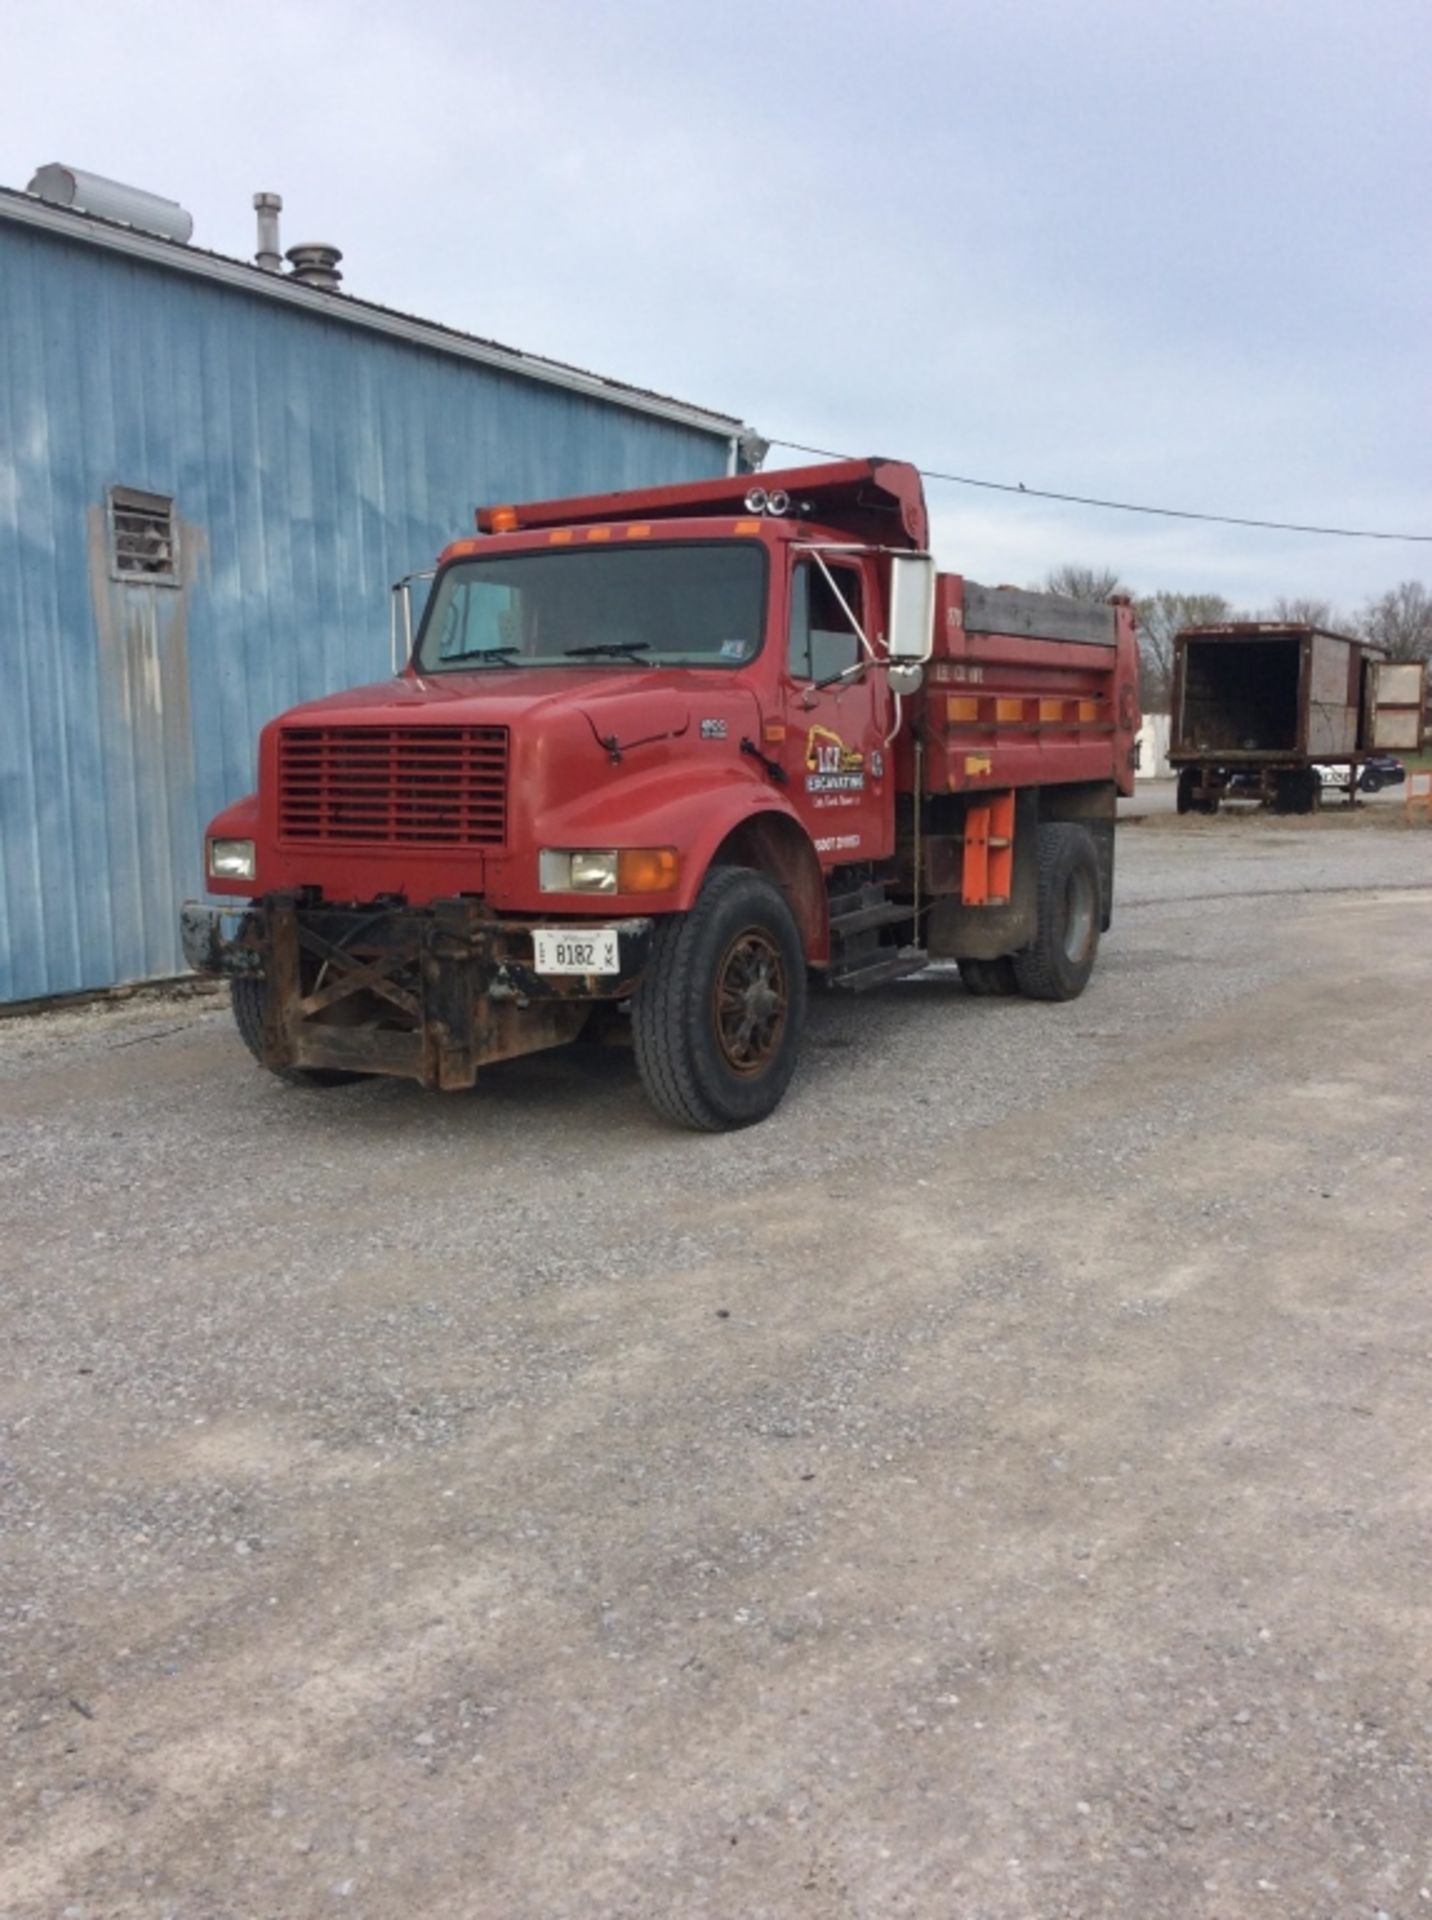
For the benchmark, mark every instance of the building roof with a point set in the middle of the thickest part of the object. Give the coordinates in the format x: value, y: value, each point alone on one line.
x: 244, y: 276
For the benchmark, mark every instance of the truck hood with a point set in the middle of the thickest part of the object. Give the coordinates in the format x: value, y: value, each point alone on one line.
x: 624, y: 706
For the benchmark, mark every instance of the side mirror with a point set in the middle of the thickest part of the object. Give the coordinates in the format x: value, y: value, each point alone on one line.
x: 400, y: 617
x: 400, y: 624
x: 911, y: 636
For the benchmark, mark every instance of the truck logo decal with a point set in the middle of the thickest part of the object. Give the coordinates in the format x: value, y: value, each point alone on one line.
x: 713, y: 729
x: 832, y: 766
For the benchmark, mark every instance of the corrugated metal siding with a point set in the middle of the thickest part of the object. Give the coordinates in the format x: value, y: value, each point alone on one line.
x: 310, y: 464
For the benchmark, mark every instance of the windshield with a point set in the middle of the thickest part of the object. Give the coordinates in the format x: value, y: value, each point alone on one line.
x: 693, y: 605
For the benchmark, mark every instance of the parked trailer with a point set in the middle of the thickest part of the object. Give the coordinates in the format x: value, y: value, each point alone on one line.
x: 657, y: 760
x: 1260, y: 706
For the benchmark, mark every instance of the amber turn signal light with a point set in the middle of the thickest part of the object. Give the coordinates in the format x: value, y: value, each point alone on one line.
x: 646, y: 869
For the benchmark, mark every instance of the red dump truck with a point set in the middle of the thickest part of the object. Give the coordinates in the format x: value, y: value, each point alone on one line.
x: 656, y: 762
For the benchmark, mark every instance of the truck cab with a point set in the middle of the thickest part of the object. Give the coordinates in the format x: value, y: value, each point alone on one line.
x: 630, y: 730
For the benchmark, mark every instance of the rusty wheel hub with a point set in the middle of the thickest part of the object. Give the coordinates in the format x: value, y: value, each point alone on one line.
x: 751, y: 1001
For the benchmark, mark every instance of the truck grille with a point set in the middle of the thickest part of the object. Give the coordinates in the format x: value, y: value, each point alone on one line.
x: 394, y: 786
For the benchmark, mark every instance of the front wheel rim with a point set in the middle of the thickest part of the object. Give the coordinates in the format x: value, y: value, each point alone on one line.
x: 751, y: 1002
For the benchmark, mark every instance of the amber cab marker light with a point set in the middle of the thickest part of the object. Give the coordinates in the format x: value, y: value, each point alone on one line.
x: 646, y: 870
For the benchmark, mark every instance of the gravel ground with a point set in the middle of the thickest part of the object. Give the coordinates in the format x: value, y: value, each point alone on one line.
x: 995, y: 1488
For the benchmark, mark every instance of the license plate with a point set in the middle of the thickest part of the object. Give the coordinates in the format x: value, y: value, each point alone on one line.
x: 576, y: 949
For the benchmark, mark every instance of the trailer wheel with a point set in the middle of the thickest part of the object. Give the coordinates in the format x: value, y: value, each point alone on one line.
x: 1298, y: 792
x: 1057, y: 965
x: 717, y: 1018
x: 248, y: 994
x: 1184, y: 800
x: 988, y: 978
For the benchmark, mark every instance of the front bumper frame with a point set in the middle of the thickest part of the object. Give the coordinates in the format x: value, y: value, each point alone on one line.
x: 424, y: 993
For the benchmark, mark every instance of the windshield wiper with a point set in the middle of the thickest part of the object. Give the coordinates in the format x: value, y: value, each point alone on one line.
x: 611, y: 650
x: 503, y: 655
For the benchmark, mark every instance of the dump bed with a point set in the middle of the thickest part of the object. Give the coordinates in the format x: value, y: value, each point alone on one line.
x: 1027, y: 689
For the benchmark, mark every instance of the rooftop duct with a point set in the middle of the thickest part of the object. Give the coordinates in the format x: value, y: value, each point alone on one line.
x: 315, y: 264
x: 112, y: 200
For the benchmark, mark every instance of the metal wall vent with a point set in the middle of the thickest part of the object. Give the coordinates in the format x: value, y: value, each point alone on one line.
x: 144, y: 540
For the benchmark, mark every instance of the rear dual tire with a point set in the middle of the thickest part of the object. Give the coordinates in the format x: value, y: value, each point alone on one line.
x: 989, y: 979
x: 1057, y: 963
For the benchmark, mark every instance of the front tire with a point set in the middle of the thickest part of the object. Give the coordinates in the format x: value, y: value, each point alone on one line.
x: 248, y: 994
x: 1058, y: 963
x: 717, y: 1019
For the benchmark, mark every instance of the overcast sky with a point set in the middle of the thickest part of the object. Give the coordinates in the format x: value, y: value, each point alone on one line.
x: 1160, y: 252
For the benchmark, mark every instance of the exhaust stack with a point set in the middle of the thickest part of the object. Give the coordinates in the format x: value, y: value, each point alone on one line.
x: 268, y: 207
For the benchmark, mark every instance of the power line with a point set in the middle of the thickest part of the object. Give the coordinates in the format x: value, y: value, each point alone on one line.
x: 1128, y: 506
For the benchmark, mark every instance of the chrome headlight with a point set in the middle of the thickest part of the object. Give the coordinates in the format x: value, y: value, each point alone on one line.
x: 577, y: 872
x: 231, y: 859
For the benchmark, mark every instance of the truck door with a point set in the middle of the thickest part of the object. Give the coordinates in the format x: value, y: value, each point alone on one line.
x: 1396, y: 705
x: 834, y: 753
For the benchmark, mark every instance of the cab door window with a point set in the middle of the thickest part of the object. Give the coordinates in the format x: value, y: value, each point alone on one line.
x: 823, y: 641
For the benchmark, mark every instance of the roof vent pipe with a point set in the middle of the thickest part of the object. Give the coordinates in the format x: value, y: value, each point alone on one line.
x: 315, y: 263
x: 268, y: 207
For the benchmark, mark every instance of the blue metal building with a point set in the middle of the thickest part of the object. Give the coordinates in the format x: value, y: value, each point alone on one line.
x: 209, y: 476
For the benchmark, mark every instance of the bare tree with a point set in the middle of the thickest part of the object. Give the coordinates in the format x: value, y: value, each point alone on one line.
x: 1082, y: 583
x: 1400, y: 621
x: 1307, y: 611
x: 1160, y: 615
